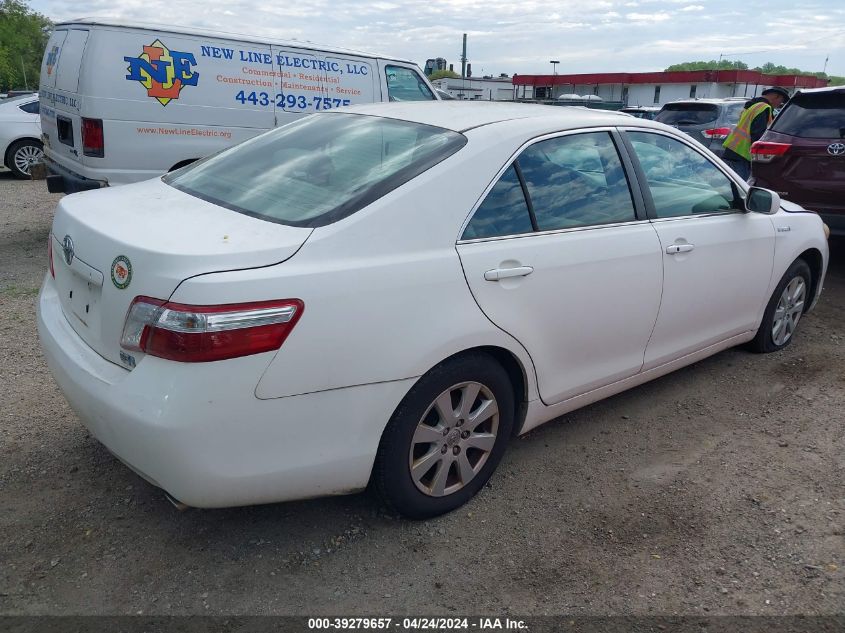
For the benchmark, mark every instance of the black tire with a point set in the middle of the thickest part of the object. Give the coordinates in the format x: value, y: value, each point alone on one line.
x: 392, y: 475
x: 23, y: 147
x: 764, y: 341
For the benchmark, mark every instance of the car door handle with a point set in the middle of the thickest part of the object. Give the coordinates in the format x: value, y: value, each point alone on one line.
x: 679, y: 248
x: 503, y: 273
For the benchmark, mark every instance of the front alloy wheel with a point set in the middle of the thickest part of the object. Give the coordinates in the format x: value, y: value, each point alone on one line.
x: 784, y: 310
x: 789, y: 310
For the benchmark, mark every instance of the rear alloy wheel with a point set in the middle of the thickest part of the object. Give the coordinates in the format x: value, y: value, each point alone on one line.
x: 22, y: 156
x: 785, y: 309
x: 446, y: 437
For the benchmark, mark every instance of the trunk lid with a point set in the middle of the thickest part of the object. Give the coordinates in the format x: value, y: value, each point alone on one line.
x: 112, y: 245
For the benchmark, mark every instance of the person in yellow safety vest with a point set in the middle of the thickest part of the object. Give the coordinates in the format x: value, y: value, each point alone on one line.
x: 755, y: 119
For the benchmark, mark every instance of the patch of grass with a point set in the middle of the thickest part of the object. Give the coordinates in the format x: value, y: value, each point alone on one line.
x: 16, y: 292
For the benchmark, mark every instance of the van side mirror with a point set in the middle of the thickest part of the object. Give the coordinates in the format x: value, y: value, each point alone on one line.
x: 761, y: 200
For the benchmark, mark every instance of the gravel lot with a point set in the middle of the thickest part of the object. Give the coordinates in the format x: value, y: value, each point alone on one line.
x: 719, y: 489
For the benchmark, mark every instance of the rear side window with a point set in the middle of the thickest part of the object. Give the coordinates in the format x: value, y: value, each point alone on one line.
x: 30, y: 108
x: 405, y: 84
x: 503, y: 212
x: 733, y: 112
x: 813, y: 116
x: 688, y: 113
x: 576, y: 180
x: 571, y: 181
x: 319, y: 169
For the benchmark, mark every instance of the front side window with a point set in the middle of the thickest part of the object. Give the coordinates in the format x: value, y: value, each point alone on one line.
x: 576, y: 180
x: 405, y: 84
x: 682, y: 181
x: 318, y: 169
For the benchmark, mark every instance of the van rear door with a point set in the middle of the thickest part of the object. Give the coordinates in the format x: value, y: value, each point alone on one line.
x: 59, y: 92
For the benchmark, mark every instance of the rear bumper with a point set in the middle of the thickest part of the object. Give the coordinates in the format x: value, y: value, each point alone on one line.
x: 198, y: 431
x: 63, y: 180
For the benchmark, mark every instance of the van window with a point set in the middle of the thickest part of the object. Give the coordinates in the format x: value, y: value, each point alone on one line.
x: 405, y: 84
x: 70, y: 61
x: 319, y: 169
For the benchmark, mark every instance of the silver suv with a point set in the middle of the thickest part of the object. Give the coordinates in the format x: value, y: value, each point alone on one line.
x: 708, y: 121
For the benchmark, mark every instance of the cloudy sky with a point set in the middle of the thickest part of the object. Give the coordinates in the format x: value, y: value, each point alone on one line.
x: 521, y: 37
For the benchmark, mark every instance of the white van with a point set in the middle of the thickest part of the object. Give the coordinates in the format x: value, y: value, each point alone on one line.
x: 122, y: 102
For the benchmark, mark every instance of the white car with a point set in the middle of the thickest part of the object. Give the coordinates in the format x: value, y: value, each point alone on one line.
x: 20, y: 134
x: 390, y: 293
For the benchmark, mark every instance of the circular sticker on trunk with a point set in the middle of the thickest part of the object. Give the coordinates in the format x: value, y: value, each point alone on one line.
x: 121, y: 272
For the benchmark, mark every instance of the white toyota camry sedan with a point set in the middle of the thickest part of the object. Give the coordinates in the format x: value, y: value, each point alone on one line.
x: 389, y: 294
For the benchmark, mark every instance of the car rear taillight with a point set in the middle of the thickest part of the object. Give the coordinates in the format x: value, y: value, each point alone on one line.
x: 719, y: 133
x: 766, y: 152
x: 50, y: 254
x: 200, y: 334
x: 93, y: 143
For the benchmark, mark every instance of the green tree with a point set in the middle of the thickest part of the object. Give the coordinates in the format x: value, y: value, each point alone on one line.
x: 441, y: 74
x: 23, y: 37
x: 713, y: 64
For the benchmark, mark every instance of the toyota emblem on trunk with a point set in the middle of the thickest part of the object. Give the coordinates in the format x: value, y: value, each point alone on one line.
x: 67, y: 249
x: 836, y: 149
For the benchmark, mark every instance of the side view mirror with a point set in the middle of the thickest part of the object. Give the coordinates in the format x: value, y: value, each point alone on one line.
x: 761, y: 200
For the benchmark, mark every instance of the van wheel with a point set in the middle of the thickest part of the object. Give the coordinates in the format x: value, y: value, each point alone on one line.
x: 22, y: 155
x: 446, y: 437
x: 785, y: 309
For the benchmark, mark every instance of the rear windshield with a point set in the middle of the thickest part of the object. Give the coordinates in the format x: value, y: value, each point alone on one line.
x: 319, y: 169
x: 688, y: 113
x: 813, y: 116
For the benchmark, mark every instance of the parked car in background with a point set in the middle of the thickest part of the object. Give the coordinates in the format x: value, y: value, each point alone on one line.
x: 20, y: 134
x: 708, y: 121
x: 17, y: 93
x: 802, y: 155
x: 293, y: 317
x: 123, y: 102
x: 642, y: 112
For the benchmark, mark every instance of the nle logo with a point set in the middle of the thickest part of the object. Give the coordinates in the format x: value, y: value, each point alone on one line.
x: 162, y: 72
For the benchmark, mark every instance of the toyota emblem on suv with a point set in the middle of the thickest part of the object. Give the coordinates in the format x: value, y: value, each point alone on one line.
x: 836, y: 149
x: 67, y: 249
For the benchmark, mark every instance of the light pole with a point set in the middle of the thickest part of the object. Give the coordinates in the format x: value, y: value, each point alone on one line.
x: 554, y: 63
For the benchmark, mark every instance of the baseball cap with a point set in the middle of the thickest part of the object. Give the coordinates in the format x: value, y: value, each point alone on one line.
x: 777, y: 90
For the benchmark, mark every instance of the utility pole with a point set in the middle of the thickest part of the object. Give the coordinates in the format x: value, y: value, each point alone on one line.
x: 23, y: 68
x: 464, y: 58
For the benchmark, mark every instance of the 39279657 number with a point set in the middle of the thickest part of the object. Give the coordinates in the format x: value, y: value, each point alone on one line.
x: 290, y: 101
